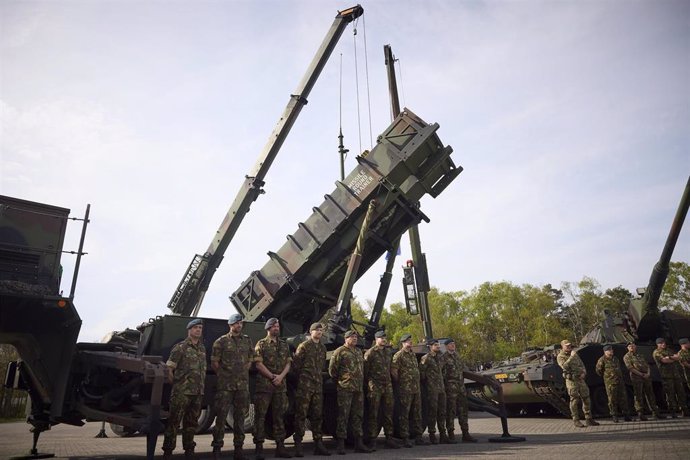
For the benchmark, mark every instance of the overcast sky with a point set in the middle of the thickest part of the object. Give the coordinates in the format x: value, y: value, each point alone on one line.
x: 571, y: 120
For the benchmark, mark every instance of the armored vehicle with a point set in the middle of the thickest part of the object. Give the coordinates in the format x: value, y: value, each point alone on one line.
x: 533, y: 383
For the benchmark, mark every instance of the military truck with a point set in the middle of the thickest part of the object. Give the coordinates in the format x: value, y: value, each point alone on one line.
x: 533, y: 383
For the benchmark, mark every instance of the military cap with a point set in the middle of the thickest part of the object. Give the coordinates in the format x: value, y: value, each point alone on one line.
x: 631, y: 343
x: 235, y: 318
x: 447, y: 341
x: 270, y: 323
x: 608, y: 347
x: 432, y: 341
x: 661, y: 340
x: 195, y: 322
x: 315, y: 326
x: 350, y: 333
x: 405, y: 337
x: 683, y: 341
x: 565, y: 342
x: 380, y: 334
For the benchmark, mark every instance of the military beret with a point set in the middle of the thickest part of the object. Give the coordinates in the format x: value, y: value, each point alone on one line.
x: 565, y: 342
x: 405, y: 337
x: 631, y: 343
x: 661, y: 340
x: 380, y: 334
x: 270, y: 323
x: 608, y: 347
x: 195, y: 322
x: 447, y: 341
x: 683, y: 341
x: 315, y: 326
x: 432, y: 341
x: 235, y: 318
x: 350, y: 333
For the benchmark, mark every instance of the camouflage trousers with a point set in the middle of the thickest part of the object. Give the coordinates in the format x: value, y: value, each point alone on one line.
x: 642, y: 389
x: 223, y: 401
x: 308, y: 402
x: 380, y: 401
x: 436, y: 411
x: 578, y: 391
x: 675, y: 393
x: 350, y: 409
x: 185, y: 409
x: 618, y: 398
x: 456, y: 405
x: 410, y: 417
x: 278, y: 403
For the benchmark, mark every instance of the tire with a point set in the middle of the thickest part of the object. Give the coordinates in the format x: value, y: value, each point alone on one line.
x: 122, y: 431
x: 248, y: 419
x: 205, y: 420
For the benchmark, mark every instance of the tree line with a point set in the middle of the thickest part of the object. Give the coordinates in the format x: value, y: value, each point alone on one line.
x: 499, y: 320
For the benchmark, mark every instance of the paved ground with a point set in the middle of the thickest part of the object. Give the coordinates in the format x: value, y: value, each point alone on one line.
x: 546, y: 439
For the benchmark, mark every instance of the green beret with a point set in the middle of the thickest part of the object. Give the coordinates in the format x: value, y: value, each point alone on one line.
x: 608, y: 347
x: 661, y: 340
x: 350, y: 333
x: 380, y: 334
x: 315, y: 326
x: 405, y: 338
x: 683, y: 341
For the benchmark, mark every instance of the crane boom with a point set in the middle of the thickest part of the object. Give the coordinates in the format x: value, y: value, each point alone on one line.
x: 187, y: 298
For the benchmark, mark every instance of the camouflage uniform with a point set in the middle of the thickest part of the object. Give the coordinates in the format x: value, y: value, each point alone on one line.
x: 189, y: 364
x: 610, y: 370
x: 309, y: 362
x: 275, y: 355
x: 641, y: 387
x: 377, y: 371
x: 671, y: 381
x: 347, y: 369
x: 409, y: 394
x: 434, y: 392
x: 578, y: 391
x: 685, y: 358
x: 452, y: 369
x: 234, y: 354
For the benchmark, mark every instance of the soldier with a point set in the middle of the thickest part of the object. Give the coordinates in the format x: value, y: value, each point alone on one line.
x: 308, y: 364
x: 609, y: 367
x: 187, y: 367
x: 434, y: 392
x: 405, y: 372
x: 347, y: 369
x: 454, y: 370
x: 670, y: 377
x: 377, y: 374
x: 640, y: 375
x: 272, y: 357
x: 684, y: 358
x: 231, y: 358
x: 574, y: 373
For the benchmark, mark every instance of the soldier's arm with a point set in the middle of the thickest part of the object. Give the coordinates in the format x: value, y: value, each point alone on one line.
x: 259, y: 362
x: 279, y: 378
x: 600, y: 366
x: 215, y: 356
x: 174, y: 360
x: 394, y: 368
x: 298, y: 360
x: 333, y: 365
x: 251, y: 357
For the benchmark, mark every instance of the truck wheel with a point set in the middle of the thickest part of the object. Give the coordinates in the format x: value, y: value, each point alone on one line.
x: 248, y: 419
x: 122, y: 431
x: 205, y: 420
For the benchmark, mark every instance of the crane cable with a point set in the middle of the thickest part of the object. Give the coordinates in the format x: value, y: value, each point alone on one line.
x: 366, y: 67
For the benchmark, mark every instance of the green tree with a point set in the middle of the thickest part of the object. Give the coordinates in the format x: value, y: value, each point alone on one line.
x: 676, y: 293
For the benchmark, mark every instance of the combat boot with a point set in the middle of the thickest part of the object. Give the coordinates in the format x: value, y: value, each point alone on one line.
x: 215, y: 455
x: 578, y: 424
x: 298, y: 449
x: 320, y: 449
x: 451, y: 438
x: 259, y: 452
x: 371, y: 444
x: 167, y: 454
x: 420, y: 441
x: 432, y: 438
x: 673, y: 414
x: 614, y: 419
x: 466, y: 437
x: 361, y: 447
x: 281, y: 451
x: 238, y: 453
x: 407, y: 443
x: 340, y: 449
x: 443, y: 438
x: 658, y: 416
x: 392, y: 443
x: 591, y: 422
x: 643, y: 418
x: 189, y: 454
x: 627, y: 418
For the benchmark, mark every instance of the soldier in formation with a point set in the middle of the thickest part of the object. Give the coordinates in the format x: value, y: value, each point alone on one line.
x: 187, y: 367
x: 308, y: 364
x: 640, y: 376
x: 453, y: 370
x: 347, y: 369
x: 405, y: 372
x: 377, y: 375
x: 609, y: 367
x: 231, y: 358
x: 272, y: 358
x: 684, y: 359
x: 669, y: 368
x: 434, y: 393
x: 574, y: 373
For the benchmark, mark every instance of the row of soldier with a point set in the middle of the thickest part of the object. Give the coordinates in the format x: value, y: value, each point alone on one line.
x: 440, y: 374
x: 674, y: 370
